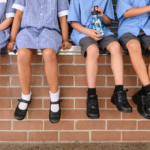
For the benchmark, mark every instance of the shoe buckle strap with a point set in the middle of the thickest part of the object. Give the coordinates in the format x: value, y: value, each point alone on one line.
x: 23, y: 101
x: 58, y: 102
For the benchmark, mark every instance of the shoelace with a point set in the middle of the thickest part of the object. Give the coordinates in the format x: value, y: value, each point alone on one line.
x: 122, y: 95
x: 92, y: 103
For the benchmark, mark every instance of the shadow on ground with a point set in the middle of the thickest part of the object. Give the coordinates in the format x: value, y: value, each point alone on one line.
x: 77, y: 146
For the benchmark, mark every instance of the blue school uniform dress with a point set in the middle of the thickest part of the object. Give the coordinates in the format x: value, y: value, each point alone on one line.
x: 6, y: 11
x: 39, y: 27
x: 132, y: 25
x: 80, y: 11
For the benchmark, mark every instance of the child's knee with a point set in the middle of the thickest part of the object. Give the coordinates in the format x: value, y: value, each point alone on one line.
x: 49, y: 55
x: 115, y: 48
x: 134, y: 47
x: 23, y: 56
x: 93, y: 51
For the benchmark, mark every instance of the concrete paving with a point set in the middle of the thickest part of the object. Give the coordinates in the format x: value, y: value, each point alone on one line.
x: 75, y: 146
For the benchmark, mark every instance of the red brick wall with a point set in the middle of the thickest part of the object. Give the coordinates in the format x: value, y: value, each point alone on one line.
x: 74, y: 125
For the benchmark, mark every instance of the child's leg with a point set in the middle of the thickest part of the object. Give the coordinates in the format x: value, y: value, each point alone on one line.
x: 51, y: 70
x: 137, y: 60
x: 119, y: 96
x: 149, y: 65
x: 116, y: 62
x: 92, y: 65
x: 0, y: 70
x: 24, y: 69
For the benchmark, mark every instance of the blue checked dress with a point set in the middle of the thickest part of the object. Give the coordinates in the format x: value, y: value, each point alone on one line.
x: 6, y: 11
x: 39, y: 27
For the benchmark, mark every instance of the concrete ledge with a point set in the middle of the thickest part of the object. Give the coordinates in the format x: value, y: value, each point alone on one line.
x: 75, y: 50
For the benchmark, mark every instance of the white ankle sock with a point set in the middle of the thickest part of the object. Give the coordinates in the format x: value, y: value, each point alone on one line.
x: 23, y: 106
x: 54, y: 98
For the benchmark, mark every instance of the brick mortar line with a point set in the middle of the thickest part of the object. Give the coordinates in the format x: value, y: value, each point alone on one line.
x: 61, y: 75
x: 34, y: 120
x: 58, y: 136
x: 63, y: 109
x: 106, y: 125
x: 83, y: 64
x: 61, y: 97
x: 74, y: 130
x: 121, y: 135
x: 71, y: 86
x: 76, y: 120
x: 90, y: 137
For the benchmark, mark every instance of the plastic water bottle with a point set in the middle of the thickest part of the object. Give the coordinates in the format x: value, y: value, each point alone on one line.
x: 97, y: 22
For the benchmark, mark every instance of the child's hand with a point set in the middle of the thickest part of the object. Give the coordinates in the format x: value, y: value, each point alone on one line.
x: 66, y: 45
x: 92, y: 33
x: 10, y: 46
x: 99, y: 10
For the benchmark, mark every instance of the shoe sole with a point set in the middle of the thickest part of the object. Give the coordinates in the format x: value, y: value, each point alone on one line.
x: 120, y: 109
x: 90, y: 117
x: 18, y: 119
x: 135, y: 101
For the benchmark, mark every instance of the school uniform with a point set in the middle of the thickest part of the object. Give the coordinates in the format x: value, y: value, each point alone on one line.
x: 80, y: 11
x: 6, y: 11
x: 137, y: 27
x: 39, y: 26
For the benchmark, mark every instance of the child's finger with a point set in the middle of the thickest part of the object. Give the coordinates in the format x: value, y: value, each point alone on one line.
x: 98, y: 36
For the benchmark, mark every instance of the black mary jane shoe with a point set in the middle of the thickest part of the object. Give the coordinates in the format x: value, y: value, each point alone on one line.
x: 141, y: 101
x: 120, y: 100
x: 54, y: 117
x: 21, y: 114
x: 92, y: 107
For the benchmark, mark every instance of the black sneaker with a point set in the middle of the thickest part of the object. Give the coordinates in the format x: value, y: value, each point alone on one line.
x: 92, y: 107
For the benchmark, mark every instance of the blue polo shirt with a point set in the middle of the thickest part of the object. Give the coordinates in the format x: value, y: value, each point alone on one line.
x: 80, y: 11
x: 132, y: 25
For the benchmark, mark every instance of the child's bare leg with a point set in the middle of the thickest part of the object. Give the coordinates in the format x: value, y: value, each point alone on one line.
x: 91, y: 72
x: 51, y: 70
x: 137, y: 60
x: 116, y: 62
x: 149, y: 65
x: 92, y: 65
x: 0, y: 70
x: 117, y: 69
x: 24, y: 69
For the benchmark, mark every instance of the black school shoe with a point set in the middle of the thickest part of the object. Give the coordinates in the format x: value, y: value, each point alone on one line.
x: 120, y: 100
x: 54, y: 117
x: 21, y: 114
x: 141, y: 101
x: 92, y: 107
x: 147, y: 99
